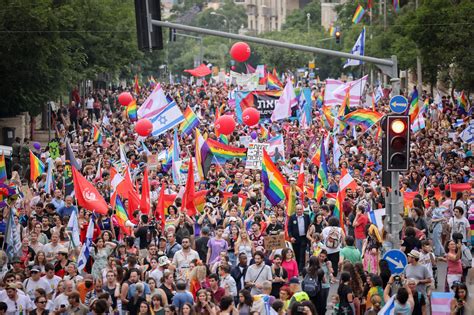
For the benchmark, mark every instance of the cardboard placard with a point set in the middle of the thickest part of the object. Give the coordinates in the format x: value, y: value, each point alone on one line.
x: 152, y: 161
x: 273, y: 242
x: 255, y: 155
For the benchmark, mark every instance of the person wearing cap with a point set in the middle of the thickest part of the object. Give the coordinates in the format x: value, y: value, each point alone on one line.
x: 61, y: 262
x: 418, y: 272
x: 34, y: 282
x: 163, y: 265
x: 298, y: 295
x: 17, y: 303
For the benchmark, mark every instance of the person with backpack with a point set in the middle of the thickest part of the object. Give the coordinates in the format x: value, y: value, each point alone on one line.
x: 466, y: 255
x: 312, y: 284
x: 333, y: 237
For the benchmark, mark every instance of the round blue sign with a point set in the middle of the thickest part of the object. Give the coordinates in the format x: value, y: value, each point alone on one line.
x: 397, y: 261
x: 398, y: 104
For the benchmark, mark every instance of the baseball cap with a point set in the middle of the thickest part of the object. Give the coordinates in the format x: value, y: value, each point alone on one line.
x: 35, y: 269
x: 294, y: 280
x: 163, y: 261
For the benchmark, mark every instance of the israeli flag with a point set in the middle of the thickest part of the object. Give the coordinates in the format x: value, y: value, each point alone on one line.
x: 168, y: 118
x: 389, y: 308
x: 358, y: 49
x: 467, y: 135
x: 73, y: 228
x: 86, y: 247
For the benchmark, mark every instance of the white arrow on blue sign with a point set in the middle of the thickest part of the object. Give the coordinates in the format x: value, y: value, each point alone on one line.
x: 397, y: 261
x: 398, y: 104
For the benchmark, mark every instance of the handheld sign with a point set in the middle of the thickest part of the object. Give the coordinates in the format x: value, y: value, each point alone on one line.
x: 398, y: 104
x: 397, y: 261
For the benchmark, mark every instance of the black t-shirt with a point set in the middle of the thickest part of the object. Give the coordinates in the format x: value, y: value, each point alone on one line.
x: 276, y: 286
x: 344, y: 305
x: 411, y: 243
x: 419, y: 302
x: 201, y: 247
x: 144, y: 236
x: 273, y: 229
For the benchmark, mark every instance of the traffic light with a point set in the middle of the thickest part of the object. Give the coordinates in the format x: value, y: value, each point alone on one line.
x: 172, y: 35
x: 338, y: 37
x: 396, y: 144
x: 149, y: 36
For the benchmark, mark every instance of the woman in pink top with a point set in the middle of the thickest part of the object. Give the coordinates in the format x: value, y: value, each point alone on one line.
x: 289, y: 263
x: 453, y: 258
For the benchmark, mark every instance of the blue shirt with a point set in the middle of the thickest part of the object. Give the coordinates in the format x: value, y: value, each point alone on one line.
x: 180, y: 298
x: 66, y: 211
x: 58, y: 204
x: 133, y: 288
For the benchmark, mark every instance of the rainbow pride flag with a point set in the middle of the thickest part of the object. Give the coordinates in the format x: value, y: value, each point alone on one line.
x: 463, y: 103
x: 224, y: 152
x: 36, y: 167
x: 273, y: 83
x: 190, y: 122
x: 263, y: 132
x: 396, y: 5
x: 320, y: 99
x: 273, y: 180
x: 200, y: 200
x: 359, y: 14
x: 364, y: 118
x: 322, y: 177
x: 132, y: 111
x: 414, y: 106
x: 3, y: 169
x: 121, y: 215
x: 223, y: 139
x: 332, y: 31
x: 327, y: 117
x: 97, y: 135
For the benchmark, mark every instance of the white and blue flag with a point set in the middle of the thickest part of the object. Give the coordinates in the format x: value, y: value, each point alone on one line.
x: 168, y: 118
x: 389, y: 308
x: 73, y: 227
x: 12, y: 240
x: 49, y: 185
x: 336, y: 150
x: 358, y: 49
x: 467, y: 135
x: 86, y: 247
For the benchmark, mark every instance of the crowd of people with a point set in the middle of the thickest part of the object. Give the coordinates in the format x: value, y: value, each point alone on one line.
x: 217, y: 262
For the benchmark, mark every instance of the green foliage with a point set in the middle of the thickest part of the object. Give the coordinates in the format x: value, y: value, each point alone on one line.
x: 298, y: 19
x: 49, y: 45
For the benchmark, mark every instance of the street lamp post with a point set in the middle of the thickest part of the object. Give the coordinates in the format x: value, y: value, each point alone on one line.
x: 308, y: 18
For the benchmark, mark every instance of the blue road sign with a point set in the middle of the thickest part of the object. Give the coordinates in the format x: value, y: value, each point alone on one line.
x: 397, y: 261
x: 398, y: 104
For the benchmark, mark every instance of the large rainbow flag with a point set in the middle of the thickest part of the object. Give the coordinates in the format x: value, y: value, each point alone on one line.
x: 327, y: 117
x: 358, y: 14
x: 190, y: 122
x: 414, y: 109
x: 322, y: 177
x: 273, y: 180
x: 36, y: 167
x: 121, y: 215
x: 97, y: 135
x: 132, y: 111
x: 3, y: 169
x: 224, y: 152
x: 273, y: 83
x: 363, y: 118
x: 463, y: 103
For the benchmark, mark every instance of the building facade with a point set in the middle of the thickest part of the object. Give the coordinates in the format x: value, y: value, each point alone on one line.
x: 268, y: 15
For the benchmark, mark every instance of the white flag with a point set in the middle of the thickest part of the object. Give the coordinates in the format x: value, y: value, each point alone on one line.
x: 336, y: 152
x: 358, y: 50
x: 154, y: 104
x: 86, y: 247
x: 285, y: 102
x: 168, y: 118
x: 357, y: 88
x: 73, y: 227
x: 467, y: 135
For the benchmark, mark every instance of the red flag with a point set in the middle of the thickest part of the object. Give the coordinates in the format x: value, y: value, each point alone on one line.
x: 300, y: 181
x: 145, y: 200
x: 188, y: 197
x: 160, y: 207
x: 133, y: 204
x: 87, y: 195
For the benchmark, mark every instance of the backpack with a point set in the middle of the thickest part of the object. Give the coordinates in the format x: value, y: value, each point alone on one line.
x: 333, y: 239
x: 311, y: 285
x: 466, y: 257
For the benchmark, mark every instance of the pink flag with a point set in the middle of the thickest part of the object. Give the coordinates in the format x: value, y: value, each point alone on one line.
x: 357, y: 88
x: 154, y: 104
x: 285, y: 102
x: 329, y: 97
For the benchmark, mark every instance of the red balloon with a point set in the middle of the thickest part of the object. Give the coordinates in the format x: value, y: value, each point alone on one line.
x: 251, y: 116
x: 225, y: 124
x: 232, y: 68
x: 125, y: 98
x: 240, y: 51
x: 144, y: 127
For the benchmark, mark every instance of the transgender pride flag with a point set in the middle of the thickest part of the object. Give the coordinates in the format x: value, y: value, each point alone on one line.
x: 440, y: 303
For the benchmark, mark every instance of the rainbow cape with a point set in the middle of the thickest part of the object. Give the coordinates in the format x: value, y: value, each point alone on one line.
x: 3, y: 169
x: 224, y: 152
x: 359, y: 14
x: 273, y: 180
x: 132, y: 111
x: 190, y: 122
x: 363, y: 118
x: 97, y: 135
x: 36, y: 167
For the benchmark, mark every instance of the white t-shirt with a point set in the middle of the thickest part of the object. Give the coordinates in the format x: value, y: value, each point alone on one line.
x: 60, y: 300
x: 90, y: 103
x: 51, y: 251
x: 22, y: 304
x: 53, y: 282
x: 326, y: 232
x: 30, y: 286
x: 157, y: 274
x: 425, y: 260
x: 459, y: 226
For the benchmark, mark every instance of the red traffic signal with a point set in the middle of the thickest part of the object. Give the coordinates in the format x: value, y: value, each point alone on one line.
x: 396, y: 148
x: 338, y: 36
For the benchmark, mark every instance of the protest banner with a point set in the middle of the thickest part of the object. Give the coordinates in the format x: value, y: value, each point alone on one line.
x: 255, y: 156
x: 152, y: 161
x: 273, y: 242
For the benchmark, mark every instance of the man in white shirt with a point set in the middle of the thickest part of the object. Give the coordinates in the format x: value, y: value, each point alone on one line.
x: 34, y: 282
x: 52, y: 248
x: 459, y: 224
x: 183, y: 257
x: 51, y: 278
x: 258, y: 273
x: 62, y: 299
x: 16, y: 303
x: 34, y: 244
x: 227, y: 282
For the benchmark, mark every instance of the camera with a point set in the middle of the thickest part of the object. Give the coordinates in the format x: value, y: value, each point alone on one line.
x: 397, y: 280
